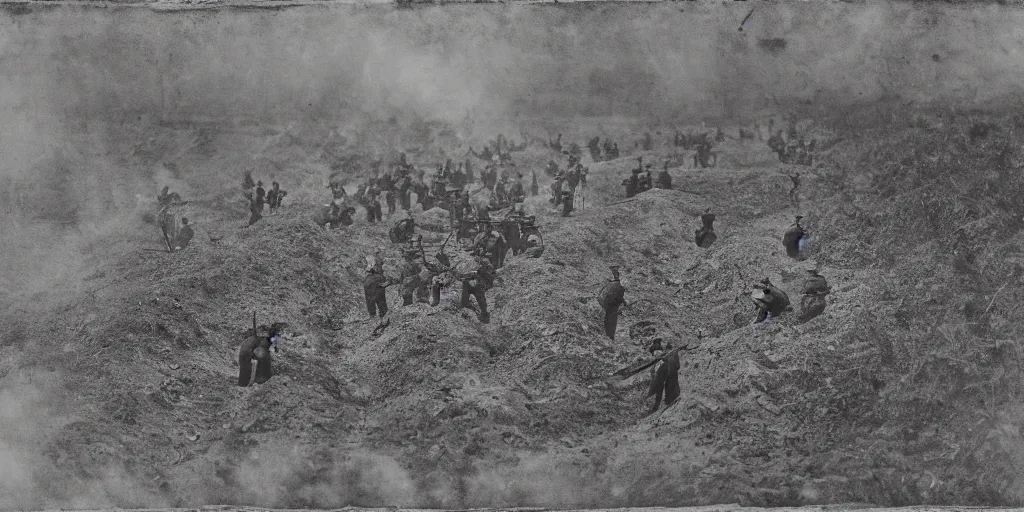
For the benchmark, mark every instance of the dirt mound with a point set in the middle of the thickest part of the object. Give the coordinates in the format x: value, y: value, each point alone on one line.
x: 445, y: 411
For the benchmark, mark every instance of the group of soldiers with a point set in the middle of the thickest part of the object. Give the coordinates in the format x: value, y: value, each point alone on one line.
x: 260, y: 198
x: 640, y: 179
x: 487, y: 233
x: 566, y: 183
x: 610, y: 149
x: 769, y: 300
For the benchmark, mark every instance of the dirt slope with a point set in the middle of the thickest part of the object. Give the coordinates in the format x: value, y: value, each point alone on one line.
x: 443, y: 411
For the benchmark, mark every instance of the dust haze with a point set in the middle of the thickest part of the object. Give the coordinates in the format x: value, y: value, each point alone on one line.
x: 78, y: 83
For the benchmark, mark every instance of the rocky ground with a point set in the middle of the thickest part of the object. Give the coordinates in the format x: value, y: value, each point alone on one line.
x: 121, y: 383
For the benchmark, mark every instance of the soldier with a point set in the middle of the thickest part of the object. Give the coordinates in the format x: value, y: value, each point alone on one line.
x: 402, y: 230
x: 551, y: 169
x: 794, y: 239
x: 255, y: 210
x: 534, y: 186
x: 261, y: 195
x: 404, y: 192
x: 814, y: 291
x: 389, y: 197
x: 612, y: 297
x: 534, y: 249
x: 510, y: 227
x: 410, y: 276
x: 278, y: 196
x: 644, y: 181
x: 372, y: 205
x: 665, y: 379
x: 632, y: 183
x: 664, y: 178
x: 470, y: 178
x: 705, y: 236
x: 770, y: 300
x: 374, y: 285
x: 648, y: 142
x: 167, y: 197
x: 184, y: 236
x: 255, y: 347
x: 556, y: 189
x: 567, y: 203
x: 615, y: 150
x: 476, y: 284
x: 499, y: 189
x: 516, y: 194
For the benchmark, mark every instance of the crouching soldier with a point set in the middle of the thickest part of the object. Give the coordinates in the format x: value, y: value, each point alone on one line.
x: 770, y: 300
x: 705, y: 236
x: 256, y: 347
x: 184, y: 236
x: 534, y: 249
x: 813, y: 302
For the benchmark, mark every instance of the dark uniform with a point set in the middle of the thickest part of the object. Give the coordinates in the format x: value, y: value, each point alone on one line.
x: 257, y: 348
x: 477, y: 284
x: 792, y: 238
x: 705, y: 236
x: 534, y: 186
x: 372, y: 205
x: 612, y: 297
x: 774, y: 303
x: 814, y: 291
x: 374, y: 285
x: 184, y: 236
x: 410, y: 277
x: 567, y: 203
x: 666, y: 380
x: 632, y: 183
x: 664, y: 179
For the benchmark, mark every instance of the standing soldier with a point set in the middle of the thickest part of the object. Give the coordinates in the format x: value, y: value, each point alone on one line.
x: 516, y: 194
x: 255, y: 210
x: 612, y: 297
x: 405, y: 187
x: 794, y: 239
x: 476, y: 283
x: 374, y: 285
x: 556, y: 189
x: 534, y: 186
x: 261, y: 195
x: 567, y: 204
x: 409, y: 276
x: 664, y: 178
x: 665, y: 379
x: 372, y: 205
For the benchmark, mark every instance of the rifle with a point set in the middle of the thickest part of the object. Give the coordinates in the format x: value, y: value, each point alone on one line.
x: 583, y: 196
x: 629, y: 371
x: 254, y: 324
